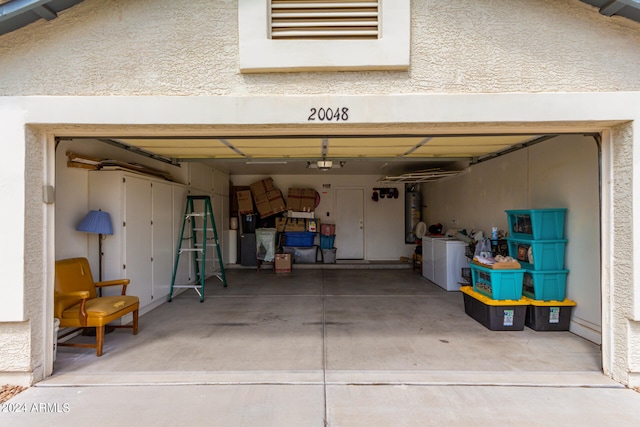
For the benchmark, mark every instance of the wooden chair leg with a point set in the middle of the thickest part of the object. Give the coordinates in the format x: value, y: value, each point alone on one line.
x: 135, y: 322
x: 99, y: 340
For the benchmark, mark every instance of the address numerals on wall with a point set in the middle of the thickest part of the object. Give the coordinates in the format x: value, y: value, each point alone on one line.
x: 329, y: 114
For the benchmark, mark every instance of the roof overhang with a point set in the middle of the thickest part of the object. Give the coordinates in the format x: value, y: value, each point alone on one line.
x: 15, y: 14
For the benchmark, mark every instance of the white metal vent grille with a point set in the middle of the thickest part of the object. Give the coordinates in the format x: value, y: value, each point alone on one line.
x: 324, y: 19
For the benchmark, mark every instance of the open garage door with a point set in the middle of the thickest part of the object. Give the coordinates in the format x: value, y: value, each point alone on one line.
x: 523, y: 170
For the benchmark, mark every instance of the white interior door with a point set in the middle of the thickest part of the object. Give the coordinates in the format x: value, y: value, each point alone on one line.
x: 349, y: 208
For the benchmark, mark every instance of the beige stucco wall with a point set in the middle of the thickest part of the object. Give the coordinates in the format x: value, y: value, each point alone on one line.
x: 620, y: 298
x: 162, y: 47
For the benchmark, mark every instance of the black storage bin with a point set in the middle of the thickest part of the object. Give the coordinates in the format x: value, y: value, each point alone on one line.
x: 549, y: 315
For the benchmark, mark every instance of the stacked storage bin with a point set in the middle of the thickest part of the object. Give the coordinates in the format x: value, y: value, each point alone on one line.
x: 495, y: 300
x: 300, y: 245
x: 327, y: 240
x: 537, y: 241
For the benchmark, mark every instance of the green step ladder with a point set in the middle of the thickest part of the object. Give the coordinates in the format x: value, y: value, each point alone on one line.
x: 202, y: 235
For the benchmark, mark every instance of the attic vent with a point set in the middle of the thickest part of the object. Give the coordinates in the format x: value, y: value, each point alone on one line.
x: 324, y: 19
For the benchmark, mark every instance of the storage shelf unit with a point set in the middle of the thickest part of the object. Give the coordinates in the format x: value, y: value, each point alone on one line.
x: 146, y: 213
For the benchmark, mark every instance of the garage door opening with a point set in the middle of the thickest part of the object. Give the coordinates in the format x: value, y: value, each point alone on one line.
x: 532, y: 171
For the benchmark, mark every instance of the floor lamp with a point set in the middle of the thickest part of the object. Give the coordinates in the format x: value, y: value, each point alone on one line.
x: 97, y: 222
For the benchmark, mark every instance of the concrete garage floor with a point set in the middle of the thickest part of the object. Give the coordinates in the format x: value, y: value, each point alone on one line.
x: 352, y: 347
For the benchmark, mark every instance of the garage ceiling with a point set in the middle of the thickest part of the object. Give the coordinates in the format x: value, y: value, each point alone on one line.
x: 383, y: 155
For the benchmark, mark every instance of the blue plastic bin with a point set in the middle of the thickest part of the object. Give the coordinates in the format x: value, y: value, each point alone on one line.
x: 545, y: 285
x: 326, y: 242
x: 537, y: 224
x: 299, y: 238
x: 546, y: 254
x: 497, y: 284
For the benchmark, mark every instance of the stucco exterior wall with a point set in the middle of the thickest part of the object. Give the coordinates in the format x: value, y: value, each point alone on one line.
x: 162, y: 47
x: 621, y: 297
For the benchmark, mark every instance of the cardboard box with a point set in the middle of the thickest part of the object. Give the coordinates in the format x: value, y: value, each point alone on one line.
x: 280, y: 221
x: 296, y: 224
x: 269, y: 203
x: 245, y: 202
x: 283, y: 263
x: 308, y: 200
x: 276, y: 201
x: 293, y: 199
x: 262, y: 186
x: 262, y: 204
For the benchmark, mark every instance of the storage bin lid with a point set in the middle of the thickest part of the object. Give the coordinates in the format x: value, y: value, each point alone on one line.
x: 538, y: 303
x: 489, y: 301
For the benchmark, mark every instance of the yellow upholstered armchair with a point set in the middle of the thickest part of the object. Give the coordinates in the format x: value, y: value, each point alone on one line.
x: 78, y: 306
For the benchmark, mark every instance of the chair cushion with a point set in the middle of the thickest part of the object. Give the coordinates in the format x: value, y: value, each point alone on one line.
x: 101, y: 306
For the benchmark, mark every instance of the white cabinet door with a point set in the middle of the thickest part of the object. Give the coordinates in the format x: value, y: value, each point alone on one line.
x: 105, y: 193
x: 200, y: 178
x: 220, y: 206
x: 185, y: 270
x: 220, y: 183
x: 138, y: 238
x: 163, y: 251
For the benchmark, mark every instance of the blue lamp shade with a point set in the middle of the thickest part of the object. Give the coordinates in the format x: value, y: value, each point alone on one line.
x: 97, y: 222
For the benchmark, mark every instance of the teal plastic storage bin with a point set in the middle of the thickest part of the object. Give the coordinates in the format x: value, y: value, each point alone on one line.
x: 537, y: 224
x: 326, y: 242
x: 545, y: 285
x: 497, y: 284
x: 538, y: 254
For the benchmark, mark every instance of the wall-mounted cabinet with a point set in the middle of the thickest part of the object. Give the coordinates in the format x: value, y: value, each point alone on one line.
x: 145, y: 213
x: 200, y: 177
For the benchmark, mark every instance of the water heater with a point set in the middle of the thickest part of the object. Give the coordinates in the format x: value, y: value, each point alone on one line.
x: 412, y: 214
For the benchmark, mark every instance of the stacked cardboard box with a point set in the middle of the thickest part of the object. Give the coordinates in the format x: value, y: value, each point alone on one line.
x: 297, y: 224
x: 267, y: 197
x: 245, y: 202
x: 301, y: 199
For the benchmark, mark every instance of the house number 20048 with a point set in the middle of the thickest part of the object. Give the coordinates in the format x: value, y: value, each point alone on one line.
x: 329, y: 114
